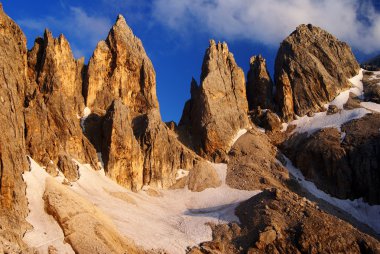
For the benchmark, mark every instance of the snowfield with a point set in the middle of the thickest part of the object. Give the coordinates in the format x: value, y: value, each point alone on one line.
x: 46, y: 230
x: 172, y: 221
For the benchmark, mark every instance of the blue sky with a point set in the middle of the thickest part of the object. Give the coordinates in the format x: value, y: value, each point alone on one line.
x: 175, y: 33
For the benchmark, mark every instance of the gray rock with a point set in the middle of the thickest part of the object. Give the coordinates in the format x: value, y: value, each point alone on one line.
x: 218, y: 107
x: 311, y: 68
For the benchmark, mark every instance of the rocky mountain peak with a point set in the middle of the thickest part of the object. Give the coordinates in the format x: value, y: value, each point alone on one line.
x: 259, y: 84
x: 120, y: 68
x: 218, y: 108
x: 312, y: 67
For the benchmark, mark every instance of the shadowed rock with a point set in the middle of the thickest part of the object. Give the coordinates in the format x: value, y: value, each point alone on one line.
x: 259, y: 85
x: 122, y: 157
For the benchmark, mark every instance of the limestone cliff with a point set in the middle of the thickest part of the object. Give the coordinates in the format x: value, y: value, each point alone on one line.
x: 13, y: 64
x: 53, y: 103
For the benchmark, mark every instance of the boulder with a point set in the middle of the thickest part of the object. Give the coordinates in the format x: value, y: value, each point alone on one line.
x: 259, y: 85
x: 86, y: 228
x: 266, y: 119
x: 371, y: 86
x: 332, y: 109
x: 203, y: 176
x: 218, y: 107
x: 68, y: 167
x: 253, y: 163
x: 311, y: 68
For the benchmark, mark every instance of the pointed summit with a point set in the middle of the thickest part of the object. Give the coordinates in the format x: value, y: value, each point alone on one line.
x: 120, y: 68
x: 217, y: 109
x: 259, y: 84
x: 312, y: 67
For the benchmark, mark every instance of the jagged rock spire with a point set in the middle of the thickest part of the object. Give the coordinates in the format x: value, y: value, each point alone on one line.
x: 218, y: 107
x: 259, y: 84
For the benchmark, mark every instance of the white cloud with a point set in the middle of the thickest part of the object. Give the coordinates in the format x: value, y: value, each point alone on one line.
x: 87, y: 27
x: 270, y: 21
x: 83, y: 30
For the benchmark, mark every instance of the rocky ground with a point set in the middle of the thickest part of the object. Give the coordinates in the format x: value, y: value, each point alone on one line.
x: 277, y: 221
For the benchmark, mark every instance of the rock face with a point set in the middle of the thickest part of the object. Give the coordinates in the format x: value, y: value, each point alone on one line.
x: 137, y: 147
x: 259, y: 85
x: 13, y: 65
x: 85, y: 227
x: 120, y: 68
x: 160, y: 167
x: 371, y: 85
x: 311, y: 68
x: 218, y: 107
x: 266, y: 119
x: 277, y: 221
x: 345, y: 169
x: 53, y: 102
x: 122, y: 156
x: 253, y: 163
x: 68, y: 167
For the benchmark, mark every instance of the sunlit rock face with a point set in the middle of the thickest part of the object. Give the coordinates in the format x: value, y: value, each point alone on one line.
x: 218, y: 107
x: 13, y: 204
x: 54, y: 103
x: 312, y: 67
x: 121, y: 80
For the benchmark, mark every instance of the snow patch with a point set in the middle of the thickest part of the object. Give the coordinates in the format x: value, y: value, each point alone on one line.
x: 357, y: 89
x: 46, y: 230
x: 238, y: 135
x: 321, y: 120
x: 173, y: 221
x: 181, y: 173
x: 371, y: 106
x: 284, y: 127
x: 86, y: 113
x: 342, y: 136
x: 100, y: 159
x: 360, y: 210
